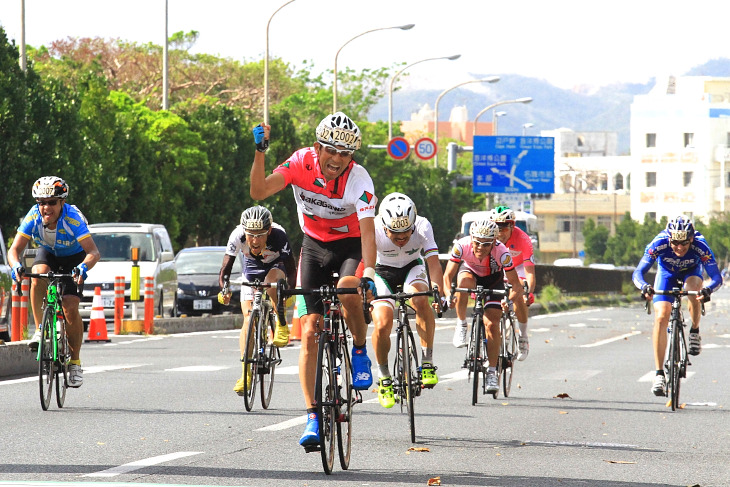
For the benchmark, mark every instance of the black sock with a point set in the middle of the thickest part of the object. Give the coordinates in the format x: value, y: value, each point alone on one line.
x: 360, y: 347
x: 660, y: 372
x: 694, y: 330
x: 311, y: 410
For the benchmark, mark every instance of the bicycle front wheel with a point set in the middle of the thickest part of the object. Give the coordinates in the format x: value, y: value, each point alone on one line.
x: 46, y: 373
x: 250, y: 369
x: 510, y: 350
x: 411, y: 374
x: 269, y: 359
x: 346, y: 403
x: 62, y: 363
x: 674, y: 365
x: 325, y: 396
x: 476, y: 357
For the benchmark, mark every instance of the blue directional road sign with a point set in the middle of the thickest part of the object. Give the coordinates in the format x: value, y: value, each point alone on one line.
x: 511, y: 164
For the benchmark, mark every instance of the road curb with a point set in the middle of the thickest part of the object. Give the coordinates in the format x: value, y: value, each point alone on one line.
x: 17, y: 359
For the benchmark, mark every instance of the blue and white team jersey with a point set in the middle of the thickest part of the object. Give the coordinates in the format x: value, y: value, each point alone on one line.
x: 277, y: 251
x: 698, y: 257
x: 64, y: 240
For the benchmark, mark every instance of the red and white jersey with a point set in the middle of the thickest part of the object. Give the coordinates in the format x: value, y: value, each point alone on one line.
x: 328, y: 210
x: 421, y: 240
x: 520, y: 247
x: 499, y: 258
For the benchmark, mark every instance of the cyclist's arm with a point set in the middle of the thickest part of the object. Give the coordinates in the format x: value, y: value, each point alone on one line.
x: 226, y: 268
x: 291, y: 271
x: 516, y: 293
x: 435, y: 272
x: 452, y: 268
x: 92, y: 252
x: 16, y: 250
x: 642, y: 268
x: 367, y: 238
x: 530, y: 276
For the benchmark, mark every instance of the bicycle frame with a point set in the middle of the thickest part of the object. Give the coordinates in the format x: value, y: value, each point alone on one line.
x: 508, y: 344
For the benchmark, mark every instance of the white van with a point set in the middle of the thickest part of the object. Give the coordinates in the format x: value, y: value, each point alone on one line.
x: 527, y: 222
x: 156, y: 259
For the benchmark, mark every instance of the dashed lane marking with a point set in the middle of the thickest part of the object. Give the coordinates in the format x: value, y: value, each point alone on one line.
x: 139, y: 464
x: 610, y: 340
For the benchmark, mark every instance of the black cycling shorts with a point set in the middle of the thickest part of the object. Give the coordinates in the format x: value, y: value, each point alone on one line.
x: 318, y: 261
x: 491, y: 281
x: 62, y: 265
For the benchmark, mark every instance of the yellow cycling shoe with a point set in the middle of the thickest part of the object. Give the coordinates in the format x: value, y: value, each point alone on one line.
x: 385, y: 392
x: 281, y: 335
x: 428, y: 376
x: 239, y: 388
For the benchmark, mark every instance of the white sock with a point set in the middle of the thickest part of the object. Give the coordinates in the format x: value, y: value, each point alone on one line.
x: 523, y: 329
x: 461, y: 323
x: 383, y: 370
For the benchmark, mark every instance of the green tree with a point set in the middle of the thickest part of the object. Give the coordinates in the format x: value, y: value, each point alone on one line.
x: 596, y: 238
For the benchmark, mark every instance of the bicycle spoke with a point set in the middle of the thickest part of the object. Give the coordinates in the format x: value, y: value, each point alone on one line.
x: 252, y: 355
x: 325, y: 390
x: 347, y: 401
x: 477, y: 356
x: 267, y: 366
x: 46, y: 374
x: 412, y: 376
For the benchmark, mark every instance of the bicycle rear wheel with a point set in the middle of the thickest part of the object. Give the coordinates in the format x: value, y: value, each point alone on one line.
x: 477, y: 353
x: 62, y: 364
x: 511, y: 347
x: 346, y: 402
x: 46, y: 373
x: 674, y: 365
x: 250, y: 376
x: 267, y: 367
x: 413, y: 380
x: 325, y: 396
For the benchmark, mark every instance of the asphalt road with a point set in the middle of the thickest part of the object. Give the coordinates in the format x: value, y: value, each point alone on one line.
x: 160, y: 410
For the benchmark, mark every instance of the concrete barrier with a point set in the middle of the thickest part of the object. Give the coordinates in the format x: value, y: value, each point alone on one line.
x: 16, y: 359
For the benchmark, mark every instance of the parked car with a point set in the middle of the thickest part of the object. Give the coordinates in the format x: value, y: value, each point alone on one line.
x: 6, y: 283
x: 156, y: 259
x: 198, y: 269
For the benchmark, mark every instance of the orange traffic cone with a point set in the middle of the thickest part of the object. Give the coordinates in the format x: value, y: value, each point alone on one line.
x: 295, y: 334
x: 97, y: 325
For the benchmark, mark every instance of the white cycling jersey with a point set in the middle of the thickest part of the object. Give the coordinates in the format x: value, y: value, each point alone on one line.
x: 391, y: 255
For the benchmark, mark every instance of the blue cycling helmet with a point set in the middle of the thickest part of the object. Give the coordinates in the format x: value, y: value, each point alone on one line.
x: 680, y: 228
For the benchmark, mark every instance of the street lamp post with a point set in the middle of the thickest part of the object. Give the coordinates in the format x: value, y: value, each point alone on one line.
x: 392, y: 82
x: 165, y: 67
x: 490, y: 79
x: 495, y: 118
x: 526, y: 99
x: 526, y: 126
x: 23, y: 61
x: 334, y: 83
x: 266, y: 66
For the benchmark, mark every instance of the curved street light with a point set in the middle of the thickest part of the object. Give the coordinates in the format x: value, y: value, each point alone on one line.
x: 392, y: 82
x: 526, y: 99
x: 526, y: 126
x: 266, y: 65
x: 334, y: 83
x: 495, y: 119
x: 490, y: 79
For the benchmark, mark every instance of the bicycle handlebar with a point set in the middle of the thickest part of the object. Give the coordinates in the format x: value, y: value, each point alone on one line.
x: 45, y: 275
x: 325, y: 291
x: 677, y: 293
x: 402, y: 297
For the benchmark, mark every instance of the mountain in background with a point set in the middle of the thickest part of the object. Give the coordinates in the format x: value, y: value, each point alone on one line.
x: 605, y: 109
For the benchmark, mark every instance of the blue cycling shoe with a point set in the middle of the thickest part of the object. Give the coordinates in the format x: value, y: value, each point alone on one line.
x: 362, y: 378
x: 311, y: 432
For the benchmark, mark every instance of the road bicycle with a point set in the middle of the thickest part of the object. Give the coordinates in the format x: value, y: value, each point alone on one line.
x: 509, y: 348
x: 54, y: 353
x: 476, y: 361
x: 677, y: 360
x: 334, y: 394
x: 407, y: 384
x: 261, y: 357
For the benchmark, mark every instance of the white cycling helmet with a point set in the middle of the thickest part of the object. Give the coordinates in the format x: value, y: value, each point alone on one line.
x: 502, y: 214
x: 338, y: 130
x: 680, y: 228
x: 484, y: 229
x: 398, y: 212
x: 256, y: 219
x: 50, y: 187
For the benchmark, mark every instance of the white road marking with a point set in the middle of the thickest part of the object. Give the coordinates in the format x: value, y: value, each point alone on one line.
x: 577, y: 325
x: 288, y: 370
x: 139, y: 464
x: 572, y: 375
x: 87, y: 370
x: 649, y: 376
x: 153, y: 338
x: 197, y: 368
x: 289, y: 423
x: 609, y: 340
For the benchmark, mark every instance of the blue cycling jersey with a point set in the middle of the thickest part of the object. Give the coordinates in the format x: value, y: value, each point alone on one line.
x: 699, y: 256
x: 70, y: 230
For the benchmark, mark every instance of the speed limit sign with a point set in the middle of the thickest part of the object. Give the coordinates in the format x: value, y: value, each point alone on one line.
x: 425, y: 148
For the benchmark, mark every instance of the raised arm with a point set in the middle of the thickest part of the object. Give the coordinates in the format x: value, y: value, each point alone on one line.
x: 263, y: 186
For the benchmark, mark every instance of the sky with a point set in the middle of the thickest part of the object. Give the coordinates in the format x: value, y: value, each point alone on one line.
x: 569, y: 43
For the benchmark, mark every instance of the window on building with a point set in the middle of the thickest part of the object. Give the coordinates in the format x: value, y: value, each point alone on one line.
x: 604, y: 220
x: 603, y: 182
x: 651, y: 140
x: 565, y: 224
x: 651, y: 215
x: 688, y: 137
x: 651, y: 179
x: 687, y: 178
x: 727, y: 140
x: 618, y: 181
x: 727, y: 180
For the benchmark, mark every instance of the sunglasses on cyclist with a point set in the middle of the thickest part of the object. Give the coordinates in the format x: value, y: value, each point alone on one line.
x: 52, y: 202
x: 503, y: 225
x: 333, y: 151
x: 479, y: 243
x: 680, y: 242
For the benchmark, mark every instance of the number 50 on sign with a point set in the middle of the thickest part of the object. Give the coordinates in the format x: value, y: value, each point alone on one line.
x: 425, y: 148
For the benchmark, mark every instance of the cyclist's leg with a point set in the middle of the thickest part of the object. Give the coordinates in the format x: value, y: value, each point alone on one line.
x: 38, y: 289
x: 694, y: 283
x: 464, y: 279
x: 425, y: 323
x: 383, y: 321
x: 246, y: 305
x: 492, y: 315
x: 281, y: 334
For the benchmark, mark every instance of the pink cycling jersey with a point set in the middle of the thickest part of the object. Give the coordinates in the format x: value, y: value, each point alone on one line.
x: 520, y: 247
x: 328, y: 210
x: 499, y: 258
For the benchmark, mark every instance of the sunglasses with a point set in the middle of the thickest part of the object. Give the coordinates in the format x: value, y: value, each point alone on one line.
x: 503, y: 225
x: 331, y: 150
x: 257, y: 235
x: 47, y: 202
x: 479, y: 244
x: 680, y: 242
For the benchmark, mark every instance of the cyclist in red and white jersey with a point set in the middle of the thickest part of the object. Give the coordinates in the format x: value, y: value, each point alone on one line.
x: 520, y: 247
x: 336, y: 205
x: 481, y: 259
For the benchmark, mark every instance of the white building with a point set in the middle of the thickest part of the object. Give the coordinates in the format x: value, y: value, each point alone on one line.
x: 680, y: 132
